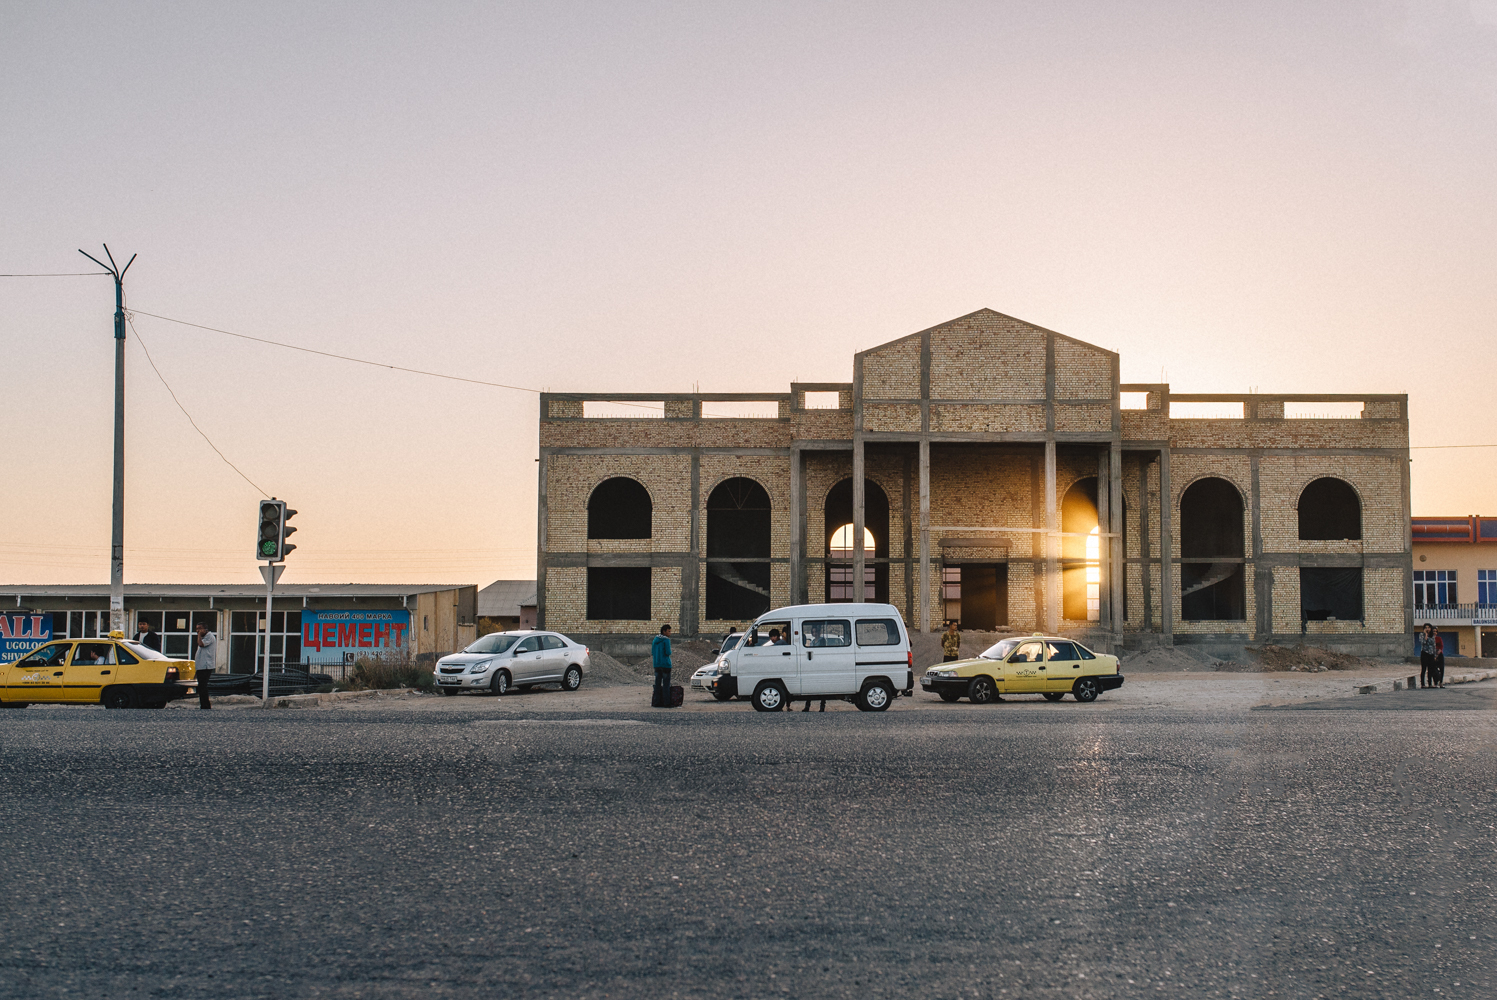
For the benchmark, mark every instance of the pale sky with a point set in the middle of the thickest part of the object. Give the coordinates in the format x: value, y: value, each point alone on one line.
x: 1285, y: 197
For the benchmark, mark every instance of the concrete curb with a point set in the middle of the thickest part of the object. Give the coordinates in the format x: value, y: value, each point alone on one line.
x: 1399, y: 684
x: 334, y: 697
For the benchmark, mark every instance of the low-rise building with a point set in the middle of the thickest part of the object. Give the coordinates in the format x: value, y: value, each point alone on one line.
x: 505, y: 605
x: 1455, y: 581
x: 311, y: 625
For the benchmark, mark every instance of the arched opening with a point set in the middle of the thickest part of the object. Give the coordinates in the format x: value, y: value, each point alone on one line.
x: 1329, y: 510
x: 738, y: 546
x: 1080, y: 552
x: 839, y: 553
x: 619, y: 508
x: 1212, y: 588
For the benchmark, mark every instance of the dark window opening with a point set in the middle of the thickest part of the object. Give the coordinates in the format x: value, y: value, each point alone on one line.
x: 983, y: 598
x: 738, y: 514
x: 839, y: 547
x: 1211, y: 529
x: 1330, y: 594
x: 619, y: 508
x: 1329, y: 510
x: 618, y: 593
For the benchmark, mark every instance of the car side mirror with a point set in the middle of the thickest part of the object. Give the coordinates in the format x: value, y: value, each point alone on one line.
x: 717, y: 652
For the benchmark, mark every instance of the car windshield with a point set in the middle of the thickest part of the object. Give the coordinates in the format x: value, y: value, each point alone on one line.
x: 999, y: 651
x: 731, y: 641
x: 494, y: 642
x: 143, y: 651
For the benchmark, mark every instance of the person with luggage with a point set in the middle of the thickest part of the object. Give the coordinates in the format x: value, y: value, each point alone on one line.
x: 660, y: 657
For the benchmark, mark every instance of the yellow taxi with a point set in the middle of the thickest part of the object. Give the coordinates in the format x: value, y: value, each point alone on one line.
x: 1050, y: 665
x: 111, y: 671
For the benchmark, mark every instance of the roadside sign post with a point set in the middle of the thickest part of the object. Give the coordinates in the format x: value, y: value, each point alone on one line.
x: 271, y: 572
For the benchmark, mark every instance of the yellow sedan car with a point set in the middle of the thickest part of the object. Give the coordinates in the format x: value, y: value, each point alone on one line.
x: 111, y: 671
x: 1050, y: 665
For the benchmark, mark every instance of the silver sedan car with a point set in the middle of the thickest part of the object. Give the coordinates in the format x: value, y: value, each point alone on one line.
x: 502, y: 660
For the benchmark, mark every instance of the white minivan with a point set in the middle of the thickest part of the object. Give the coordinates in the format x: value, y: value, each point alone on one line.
x: 853, y: 652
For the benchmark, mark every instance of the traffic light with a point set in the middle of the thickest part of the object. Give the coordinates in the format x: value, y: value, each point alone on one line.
x: 286, y: 515
x: 270, y: 542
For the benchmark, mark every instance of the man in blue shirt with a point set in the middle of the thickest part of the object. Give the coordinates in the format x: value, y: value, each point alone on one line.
x: 660, y: 655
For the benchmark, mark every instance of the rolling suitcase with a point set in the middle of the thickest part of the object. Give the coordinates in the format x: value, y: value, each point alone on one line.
x: 678, y: 695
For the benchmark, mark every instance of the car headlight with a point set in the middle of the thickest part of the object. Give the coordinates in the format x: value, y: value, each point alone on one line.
x: 480, y: 666
x: 943, y: 673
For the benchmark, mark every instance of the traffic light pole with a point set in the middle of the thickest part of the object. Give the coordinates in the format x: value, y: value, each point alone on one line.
x: 271, y: 572
x: 117, y: 539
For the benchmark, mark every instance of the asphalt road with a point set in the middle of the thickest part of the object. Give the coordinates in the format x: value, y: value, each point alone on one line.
x: 958, y: 852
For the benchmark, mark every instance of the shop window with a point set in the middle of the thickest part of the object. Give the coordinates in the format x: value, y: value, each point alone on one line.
x: 738, y: 547
x: 1329, y: 510
x: 1212, y: 588
x: 838, y: 520
x: 619, y: 508
x: 618, y: 593
x: 1330, y: 594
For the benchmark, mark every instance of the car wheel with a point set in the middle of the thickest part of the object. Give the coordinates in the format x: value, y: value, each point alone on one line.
x: 950, y: 696
x: 1086, y: 690
x: 769, y: 697
x: 875, y: 696
x: 572, y: 679
x: 1054, y: 695
x: 982, y: 690
x: 499, y: 683
x: 449, y: 692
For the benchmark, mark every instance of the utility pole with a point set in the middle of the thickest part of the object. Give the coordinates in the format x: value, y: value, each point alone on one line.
x: 117, y: 542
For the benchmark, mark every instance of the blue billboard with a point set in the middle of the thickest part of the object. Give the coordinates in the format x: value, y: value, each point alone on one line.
x: 345, y: 632
x: 20, y: 634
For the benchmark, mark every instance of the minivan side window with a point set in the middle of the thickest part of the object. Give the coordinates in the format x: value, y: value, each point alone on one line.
x: 816, y: 635
x: 878, y: 632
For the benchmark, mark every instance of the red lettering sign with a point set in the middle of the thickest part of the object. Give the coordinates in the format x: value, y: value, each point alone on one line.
x: 311, y: 637
x: 348, y: 634
x: 330, y: 634
x: 364, y: 629
x: 5, y: 632
x: 399, y: 633
x: 381, y: 635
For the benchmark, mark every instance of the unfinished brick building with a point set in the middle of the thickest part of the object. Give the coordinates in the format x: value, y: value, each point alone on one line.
x: 998, y: 474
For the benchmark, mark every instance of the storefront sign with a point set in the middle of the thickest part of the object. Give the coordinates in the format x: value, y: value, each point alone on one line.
x: 350, y: 631
x: 20, y: 634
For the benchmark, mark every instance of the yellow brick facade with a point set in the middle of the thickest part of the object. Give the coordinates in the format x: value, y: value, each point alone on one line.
x: 1002, y: 396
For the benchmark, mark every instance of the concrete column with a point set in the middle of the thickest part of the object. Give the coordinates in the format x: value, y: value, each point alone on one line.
x: 1104, y: 550
x: 1145, y: 577
x: 858, y: 557
x: 922, y: 593
x: 1166, y: 551
x: 1051, y: 543
x: 1117, y: 574
x: 797, y: 526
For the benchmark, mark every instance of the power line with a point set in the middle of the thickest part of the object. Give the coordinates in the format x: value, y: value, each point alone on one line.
x: 340, y: 357
x: 60, y: 274
x: 194, y: 423
x: 1426, y: 447
x: 363, y: 361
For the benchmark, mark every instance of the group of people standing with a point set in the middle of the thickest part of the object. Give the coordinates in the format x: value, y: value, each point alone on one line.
x: 1431, y: 658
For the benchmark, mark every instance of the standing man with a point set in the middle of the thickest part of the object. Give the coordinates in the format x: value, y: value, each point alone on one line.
x: 148, y: 637
x: 951, y: 644
x: 206, y: 659
x: 660, y: 656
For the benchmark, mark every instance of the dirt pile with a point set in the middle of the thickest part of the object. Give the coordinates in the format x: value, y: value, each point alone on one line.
x: 605, y: 671
x: 686, y: 658
x: 1305, y: 659
x: 1172, y: 659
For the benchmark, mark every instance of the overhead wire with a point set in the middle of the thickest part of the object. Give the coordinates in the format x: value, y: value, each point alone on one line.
x: 360, y: 361
x: 58, y: 274
x: 141, y: 341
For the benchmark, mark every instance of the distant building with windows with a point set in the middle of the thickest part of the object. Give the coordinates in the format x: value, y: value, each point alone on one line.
x: 990, y: 471
x: 311, y: 625
x: 1455, y: 581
